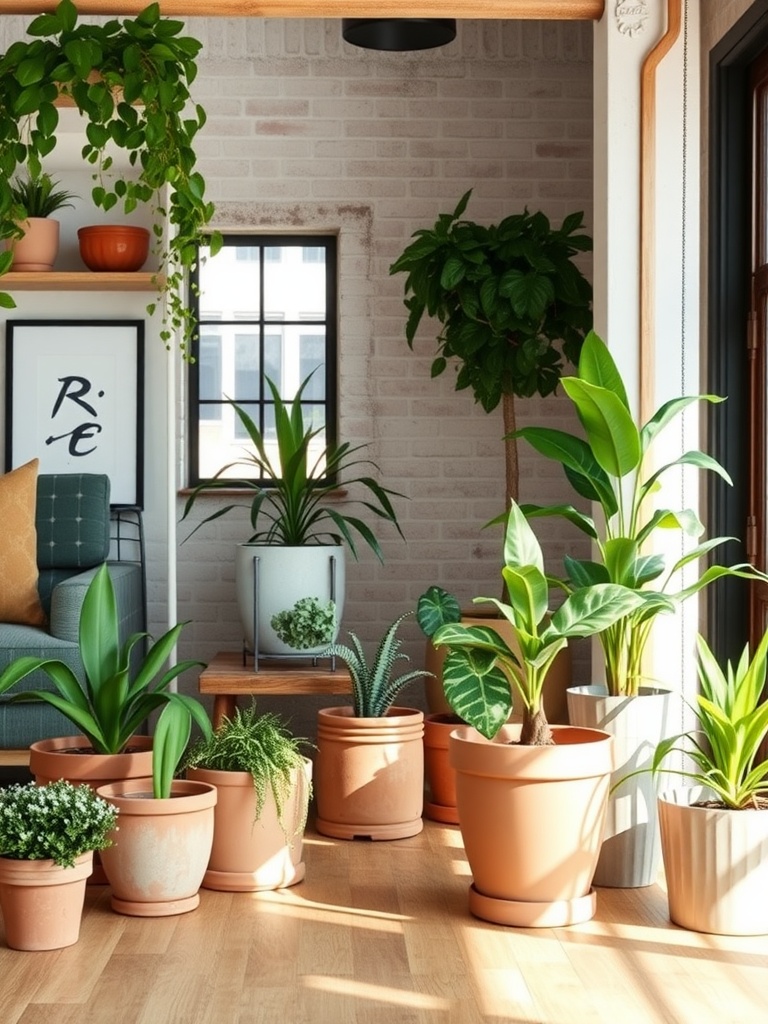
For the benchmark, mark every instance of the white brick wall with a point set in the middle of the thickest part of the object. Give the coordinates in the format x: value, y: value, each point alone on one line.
x: 305, y: 131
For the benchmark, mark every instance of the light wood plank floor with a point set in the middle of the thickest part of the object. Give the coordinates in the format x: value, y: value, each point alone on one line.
x: 379, y: 933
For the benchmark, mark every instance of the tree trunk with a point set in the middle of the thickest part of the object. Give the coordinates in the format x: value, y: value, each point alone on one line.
x: 535, y: 731
x: 511, y: 469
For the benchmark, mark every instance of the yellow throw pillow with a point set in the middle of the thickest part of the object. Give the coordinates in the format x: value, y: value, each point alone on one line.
x: 19, y: 599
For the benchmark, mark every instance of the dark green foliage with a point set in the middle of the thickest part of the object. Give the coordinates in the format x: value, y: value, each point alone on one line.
x: 512, y: 303
x: 35, y: 197
x: 373, y: 688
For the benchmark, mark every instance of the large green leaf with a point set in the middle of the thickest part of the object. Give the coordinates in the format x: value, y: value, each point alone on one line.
x: 528, y: 595
x: 99, y: 631
x: 435, y: 608
x: 594, y: 609
x: 477, y: 689
x: 667, y: 412
x: 575, y: 455
x: 520, y: 544
x: 611, y: 432
x: 596, y: 366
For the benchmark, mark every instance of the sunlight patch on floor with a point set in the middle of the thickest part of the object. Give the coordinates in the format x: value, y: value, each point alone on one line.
x: 377, y: 993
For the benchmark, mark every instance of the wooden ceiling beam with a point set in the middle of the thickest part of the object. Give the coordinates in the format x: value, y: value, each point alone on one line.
x: 559, y: 10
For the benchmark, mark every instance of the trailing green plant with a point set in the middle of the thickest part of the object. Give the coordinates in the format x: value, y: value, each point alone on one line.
x: 130, y: 80
x: 291, y: 494
x: 261, y: 745
x: 308, y: 624
x: 513, y: 305
x: 611, y: 466
x: 480, y: 664
x: 36, y: 197
x: 109, y: 705
x: 58, y: 821
x: 373, y: 688
x: 732, y: 724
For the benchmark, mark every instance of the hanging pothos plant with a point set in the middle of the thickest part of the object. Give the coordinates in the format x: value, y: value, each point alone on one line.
x: 130, y: 79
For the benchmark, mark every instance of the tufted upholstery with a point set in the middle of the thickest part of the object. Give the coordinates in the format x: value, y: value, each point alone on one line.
x: 73, y: 540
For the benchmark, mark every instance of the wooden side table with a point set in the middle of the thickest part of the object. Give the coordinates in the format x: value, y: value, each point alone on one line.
x: 227, y: 678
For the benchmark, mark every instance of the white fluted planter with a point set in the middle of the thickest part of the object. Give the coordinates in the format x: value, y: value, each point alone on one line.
x: 716, y: 864
x: 630, y: 855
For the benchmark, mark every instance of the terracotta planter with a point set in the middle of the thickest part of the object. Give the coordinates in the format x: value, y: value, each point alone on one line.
x: 42, y: 903
x: 251, y: 854
x: 440, y: 775
x: 631, y: 853
x: 161, y: 847
x: 38, y: 249
x: 531, y: 819
x: 559, y: 678
x: 369, y: 774
x: 113, y: 247
x: 64, y: 758
x: 716, y: 864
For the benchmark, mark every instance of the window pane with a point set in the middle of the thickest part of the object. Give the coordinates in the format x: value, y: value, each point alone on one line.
x: 209, y: 359
x: 312, y: 358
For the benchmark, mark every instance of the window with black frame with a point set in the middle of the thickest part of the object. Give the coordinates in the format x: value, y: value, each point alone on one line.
x: 266, y: 308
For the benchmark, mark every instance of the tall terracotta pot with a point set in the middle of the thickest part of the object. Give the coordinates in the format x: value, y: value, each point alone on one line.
x: 440, y: 775
x: 161, y: 847
x: 715, y: 864
x: 531, y: 819
x: 42, y: 903
x: 630, y: 855
x: 67, y: 757
x: 250, y: 853
x: 369, y: 774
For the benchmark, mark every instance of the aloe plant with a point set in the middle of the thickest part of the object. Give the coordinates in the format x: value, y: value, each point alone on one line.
x: 373, y: 687
x: 292, y: 507
x: 611, y: 466
x: 480, y: 664
x: 108, y: 707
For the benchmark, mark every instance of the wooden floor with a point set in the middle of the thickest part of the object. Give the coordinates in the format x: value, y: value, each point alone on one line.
x: 378, y: 933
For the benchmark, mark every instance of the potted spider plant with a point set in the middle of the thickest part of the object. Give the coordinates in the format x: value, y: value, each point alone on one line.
x: 369, y: 769
x: 714, y: 833
x: 300, y: 526
x: 613, y: 466
x: 35, y: 200
x: 129, y: 78
x: 264, y: 784
x: 531, y: 797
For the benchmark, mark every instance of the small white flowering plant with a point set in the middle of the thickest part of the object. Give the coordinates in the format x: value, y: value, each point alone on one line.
x: 58, y: 822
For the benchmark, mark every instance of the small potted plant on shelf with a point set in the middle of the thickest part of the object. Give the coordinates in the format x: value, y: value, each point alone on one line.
x: 129, y: 78
x: 369, y: 769
x: 611, y: 465
x: 47, y: 838
x: 264, y: 784
x: 531, y: 797
x: 299, y: 524
x: 35, y: 200
x: 714, y: 834
x: 157, y: 862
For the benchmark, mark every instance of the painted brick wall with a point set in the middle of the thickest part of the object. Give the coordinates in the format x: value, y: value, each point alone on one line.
x: 305, y: 131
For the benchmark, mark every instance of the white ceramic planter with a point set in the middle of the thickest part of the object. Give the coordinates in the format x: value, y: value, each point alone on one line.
x: 630, y: 856
x: 716, y: 864
x: 285, y: 575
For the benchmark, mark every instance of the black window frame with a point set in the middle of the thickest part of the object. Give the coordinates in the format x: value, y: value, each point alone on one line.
x: 262, y: 322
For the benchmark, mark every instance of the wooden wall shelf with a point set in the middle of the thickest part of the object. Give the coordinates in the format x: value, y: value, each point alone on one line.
x: 81, y: 280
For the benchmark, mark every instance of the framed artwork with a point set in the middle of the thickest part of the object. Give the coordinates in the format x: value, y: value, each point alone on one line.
x: 74, y: 399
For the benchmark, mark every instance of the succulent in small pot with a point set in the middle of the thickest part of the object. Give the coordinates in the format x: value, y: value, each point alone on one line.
x: 33, y: 244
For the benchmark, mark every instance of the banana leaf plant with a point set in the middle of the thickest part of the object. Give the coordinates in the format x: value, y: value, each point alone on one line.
x: 611, y: 465
x: 480, y: 664
x: 109, y: 706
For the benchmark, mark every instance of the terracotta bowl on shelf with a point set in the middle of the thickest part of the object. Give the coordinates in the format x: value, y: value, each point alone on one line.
x: 116, y: 247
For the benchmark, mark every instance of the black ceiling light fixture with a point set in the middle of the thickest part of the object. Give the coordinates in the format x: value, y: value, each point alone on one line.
x: 398, y: 33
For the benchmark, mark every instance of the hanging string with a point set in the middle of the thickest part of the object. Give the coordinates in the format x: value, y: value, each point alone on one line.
x: 683, y: 322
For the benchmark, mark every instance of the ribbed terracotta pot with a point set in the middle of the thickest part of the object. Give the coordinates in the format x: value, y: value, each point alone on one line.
x: 42, y: 903
x: 440, y: 775
x: 531, y: 819
x: 250, y: 853
x: 369, y: 774
x: 38, y: 249
x: 67, y: 757
x: 715, y: 863
x: 631, y: 853
x: 161, y: 847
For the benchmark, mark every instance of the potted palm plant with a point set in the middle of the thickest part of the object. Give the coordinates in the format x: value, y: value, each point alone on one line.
x: 264, y: 784
x: 611, y: 465
x: 714, y: 833
x: 531, y: 797
x: 35, y: 201
x: 48, y: 835
x: 369, y: 769
x: 299, y: 526
x: 129, y: 78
